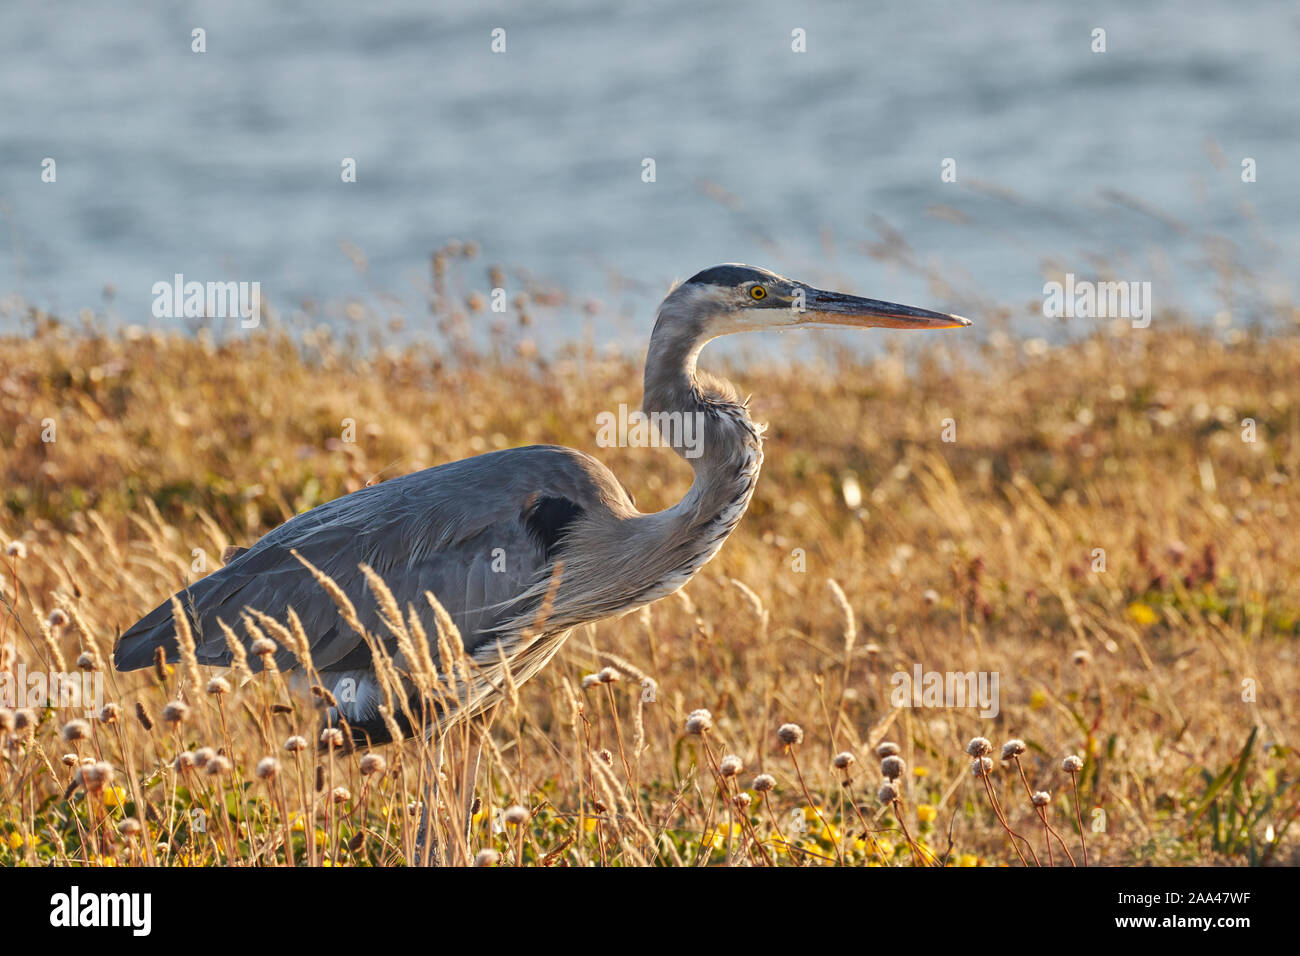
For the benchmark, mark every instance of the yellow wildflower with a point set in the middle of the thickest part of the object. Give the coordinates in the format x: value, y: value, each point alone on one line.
x: 925, y: 813
x: 1141, y: 614
x: 716, y: 837
x: 114, y: 797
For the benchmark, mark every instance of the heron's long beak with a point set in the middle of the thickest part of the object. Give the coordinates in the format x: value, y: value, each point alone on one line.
x: 838, y: 309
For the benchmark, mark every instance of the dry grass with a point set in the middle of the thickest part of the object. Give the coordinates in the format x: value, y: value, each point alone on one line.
x: 973, y: 555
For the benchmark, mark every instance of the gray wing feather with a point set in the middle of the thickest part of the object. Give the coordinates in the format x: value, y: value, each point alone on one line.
x: 437, y: 530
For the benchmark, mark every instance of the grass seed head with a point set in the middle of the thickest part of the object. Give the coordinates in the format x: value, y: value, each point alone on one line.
x: 110, y: 713
x: 295, y: 744
x: 487, y: 858
x: 372, y: 764
x: 267, y: 768
x: 97, y: 775
x: 324, y: 694
x: 331, y: 737
x: 1012, y: 748
x: 75, y: 730
x: 730, y: 765
x: 175, y: 712
x: 218, y: 685
x: 979, y: 747
x: 1041, y: 799
x: 1072, y: 764
x: 24, y: 722
x: 142, y: 715
x: 764, y: 783
x: 892, y: 767
x: 217, y: 766
x: 982, y: 766
x: 699, y: 721
x: 843, y: 760
x: 790, y: 734
x: 516, y: 815
x: 887, y: 793
x: 887, y: 749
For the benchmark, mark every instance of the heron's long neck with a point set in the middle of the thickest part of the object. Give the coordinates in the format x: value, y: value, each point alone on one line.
x: 635, y: 560
x: 714, y: 434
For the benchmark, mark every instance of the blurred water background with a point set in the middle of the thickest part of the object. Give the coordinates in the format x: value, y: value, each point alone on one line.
x: 825, y: 165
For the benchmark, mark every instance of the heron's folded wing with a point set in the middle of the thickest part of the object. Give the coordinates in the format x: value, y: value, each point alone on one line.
x: 473, y: 587
x: 477, y: 533
x: 475, y: 577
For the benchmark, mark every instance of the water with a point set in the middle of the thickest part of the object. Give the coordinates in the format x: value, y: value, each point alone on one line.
x: 225, y: 165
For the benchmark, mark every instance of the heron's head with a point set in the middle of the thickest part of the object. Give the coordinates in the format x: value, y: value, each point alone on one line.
x: 739, y: 298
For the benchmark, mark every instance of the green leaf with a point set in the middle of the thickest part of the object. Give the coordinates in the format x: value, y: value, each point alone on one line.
x: 1232, y: 772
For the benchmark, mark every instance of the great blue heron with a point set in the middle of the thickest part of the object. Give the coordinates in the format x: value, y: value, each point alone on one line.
x: 446, y: 530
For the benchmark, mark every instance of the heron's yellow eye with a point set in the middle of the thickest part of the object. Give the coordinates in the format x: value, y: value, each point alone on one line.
x: 758, y: 292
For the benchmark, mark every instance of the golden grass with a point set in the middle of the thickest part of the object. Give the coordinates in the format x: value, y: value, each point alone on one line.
x: 872, y: 546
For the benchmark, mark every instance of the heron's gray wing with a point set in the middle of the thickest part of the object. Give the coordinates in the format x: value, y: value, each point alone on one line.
x: 478, y: 533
